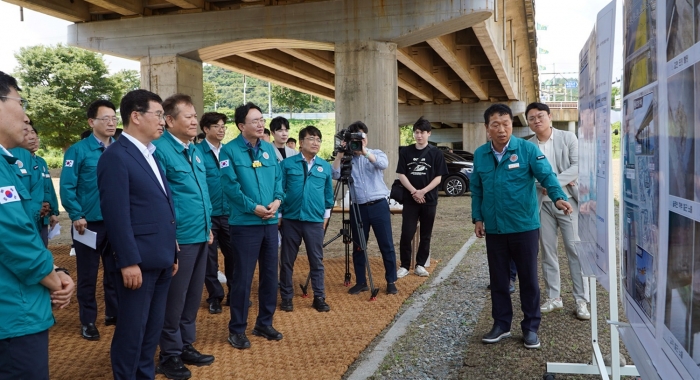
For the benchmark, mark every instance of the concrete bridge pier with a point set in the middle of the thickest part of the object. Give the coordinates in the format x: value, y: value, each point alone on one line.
x: 366, y: 90
x: 171, y: 74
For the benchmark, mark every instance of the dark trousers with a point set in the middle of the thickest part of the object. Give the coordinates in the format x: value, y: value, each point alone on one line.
x: 88, y: 265
x: 253, y: 244
x: 293, y: 231
x: 139, y: 322
x: 44, y: 233
x: 184, y: 297
x: 378, y: 217
x: 25, y: 357
x: 412, y: 214
x: 522, y: 249
x: 222, y: 239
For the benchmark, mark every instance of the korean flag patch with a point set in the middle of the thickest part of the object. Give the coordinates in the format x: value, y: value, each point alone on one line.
x: 69, y: 163
x: 9, y: 194
x: 223, y: 164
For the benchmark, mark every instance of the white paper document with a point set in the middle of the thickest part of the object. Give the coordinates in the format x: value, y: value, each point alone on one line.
x: 55, y: 231
x: 88, y: 237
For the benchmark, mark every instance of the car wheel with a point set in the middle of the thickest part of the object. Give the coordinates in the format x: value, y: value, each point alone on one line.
x: 454, y: 186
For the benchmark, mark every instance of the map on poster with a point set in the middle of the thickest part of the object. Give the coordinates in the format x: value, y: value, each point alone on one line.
x: 595, y: 76
x: 660, y: 208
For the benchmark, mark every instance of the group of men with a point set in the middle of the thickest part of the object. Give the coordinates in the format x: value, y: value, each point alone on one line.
x: 161, y: 206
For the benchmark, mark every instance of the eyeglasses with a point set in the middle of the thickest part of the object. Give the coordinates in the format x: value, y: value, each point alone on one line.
x: 220, y: 126
x: 159, y: 114
x: 107, y: 119
x: 313, y: 140
x: 22, y: 101
x: 541, y: 116
x: 260, y: 121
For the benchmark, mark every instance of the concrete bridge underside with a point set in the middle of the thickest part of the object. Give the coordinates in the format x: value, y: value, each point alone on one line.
x: 383, y: 62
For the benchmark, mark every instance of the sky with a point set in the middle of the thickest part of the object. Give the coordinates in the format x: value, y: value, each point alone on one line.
x: 569, y: 23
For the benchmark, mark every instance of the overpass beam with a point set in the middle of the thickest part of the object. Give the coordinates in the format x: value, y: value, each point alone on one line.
x: 473, y: 136
x: 168, y: 75
x: 366, y: 89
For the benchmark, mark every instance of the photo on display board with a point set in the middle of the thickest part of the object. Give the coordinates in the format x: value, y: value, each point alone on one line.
x: 680, y: 24
x: 640, y: 44
x: 681, y: 133
x: 644, y: 290
x: 679, y: 279
x: 696, y: 179
x: 629, y: 244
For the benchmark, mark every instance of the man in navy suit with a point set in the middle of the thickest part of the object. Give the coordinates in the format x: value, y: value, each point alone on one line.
x: 139, y: 215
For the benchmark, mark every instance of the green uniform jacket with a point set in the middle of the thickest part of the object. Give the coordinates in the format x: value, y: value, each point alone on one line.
x: 79, y: 194
x: 49, y: 190
x: 187, y: 178
x: 219, y: 205
x: 308, y: 193
x: 503, y: 193
x: 25, y: 304
x: 27, y: 169
x: 246, y: 186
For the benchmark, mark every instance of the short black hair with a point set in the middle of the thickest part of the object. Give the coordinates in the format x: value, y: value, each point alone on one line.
x: 537, y: 106
x: 85, y: 134
x: 7, y: 83
x: 210, y: 118
x: 94, y: 106
x: 309, y: 130
x: 498, y: 108
x: 170, y: 104
x: 291, y: 140
x: 267, y: 132
x: 422, y: 125
x: 136, y: 100
x: 358, y: 126
x: 242, y: 111
x: 277, y: 123
x: 201, y: 136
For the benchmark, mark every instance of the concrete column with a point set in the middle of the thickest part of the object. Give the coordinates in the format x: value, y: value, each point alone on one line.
x: 473, y: 136
x: 168, y: 75
x: 366, y: 89
x: 572, y: 126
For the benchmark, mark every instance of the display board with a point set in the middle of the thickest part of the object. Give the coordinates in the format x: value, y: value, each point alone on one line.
x: 595, y: 216
x: 660, y: 206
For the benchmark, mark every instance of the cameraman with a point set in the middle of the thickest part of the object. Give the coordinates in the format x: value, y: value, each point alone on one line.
x: 371, y: 195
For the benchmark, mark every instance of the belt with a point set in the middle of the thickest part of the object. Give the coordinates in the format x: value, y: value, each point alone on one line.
x: 373, y: 202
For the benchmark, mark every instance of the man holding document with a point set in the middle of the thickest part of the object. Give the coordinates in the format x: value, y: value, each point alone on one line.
x: 81, y: 199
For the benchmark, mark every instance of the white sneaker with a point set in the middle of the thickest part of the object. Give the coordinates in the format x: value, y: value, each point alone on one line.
x: 582, y: 310
x: 402, y: 272
x: 551, y: 304
x: 420, y: 271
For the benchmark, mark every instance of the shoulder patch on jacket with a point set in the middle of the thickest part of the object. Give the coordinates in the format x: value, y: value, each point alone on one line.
x: 8, y: 194
x: 542, y: 157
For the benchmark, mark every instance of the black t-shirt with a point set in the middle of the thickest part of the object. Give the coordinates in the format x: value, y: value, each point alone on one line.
x: 421, y: 173
x: 283, y: 152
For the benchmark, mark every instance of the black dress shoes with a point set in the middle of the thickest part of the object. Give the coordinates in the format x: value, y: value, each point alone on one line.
x: 287, y: 305
x: 268, y: 332
x: 320, y: 304
x: 110, y: 321
x: 358, y: 288
x: 90, y: 332
x: 530, y: 339
x: 191, y: 356
x: 215, y: 307
x: 173, y: 368
x: 495, y: 335
x: 239, y: 341
x: 391, y: 288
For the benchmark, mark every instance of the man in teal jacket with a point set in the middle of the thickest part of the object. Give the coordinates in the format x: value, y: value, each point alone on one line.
x: 505, y: 210
x: 50, y: 204
x: 29, y: 283
x: 252, y: 182
x: 308, y: 186
x: 81, y: 199
x: 214, y: 126
x: 27, y: 169
x: 186, y: 175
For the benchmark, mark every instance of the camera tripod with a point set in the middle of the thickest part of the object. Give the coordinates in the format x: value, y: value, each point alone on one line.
x: 346, y: 233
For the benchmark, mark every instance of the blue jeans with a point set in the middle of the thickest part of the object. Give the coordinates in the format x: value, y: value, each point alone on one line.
x: 378, y: 217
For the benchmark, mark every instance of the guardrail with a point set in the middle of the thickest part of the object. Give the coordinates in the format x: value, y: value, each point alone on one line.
x: 562, y: 105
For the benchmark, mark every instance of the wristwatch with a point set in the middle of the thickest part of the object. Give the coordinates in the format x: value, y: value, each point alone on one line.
x: 64, y: 270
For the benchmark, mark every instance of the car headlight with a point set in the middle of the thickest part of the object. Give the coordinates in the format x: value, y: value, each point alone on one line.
x: 466, y: 171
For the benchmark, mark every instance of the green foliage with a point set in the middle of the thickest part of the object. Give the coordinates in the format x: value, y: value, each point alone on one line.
x: 615, y: 139
x: 293, y: 101
x: 60, y: 82
x: 406, y: 135
x: 556, y: 89
x: 210, y: 96
x: 126, y: 80
x: 53, y: 156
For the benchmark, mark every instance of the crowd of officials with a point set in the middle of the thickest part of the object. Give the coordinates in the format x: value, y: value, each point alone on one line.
x: 162, y: 201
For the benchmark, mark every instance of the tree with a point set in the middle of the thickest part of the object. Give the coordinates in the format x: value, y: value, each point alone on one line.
x: 210, y: 96
x: 60, y: 82
x: 291, y: 99
x: 126, y: 80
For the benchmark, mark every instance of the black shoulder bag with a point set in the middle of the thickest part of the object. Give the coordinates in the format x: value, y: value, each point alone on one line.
x: 398, y: 191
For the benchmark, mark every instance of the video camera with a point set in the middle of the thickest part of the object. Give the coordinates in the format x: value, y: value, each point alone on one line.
x: 352, y: 140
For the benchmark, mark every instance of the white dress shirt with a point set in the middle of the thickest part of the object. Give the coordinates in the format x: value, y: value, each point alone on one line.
x: 147, y: 152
